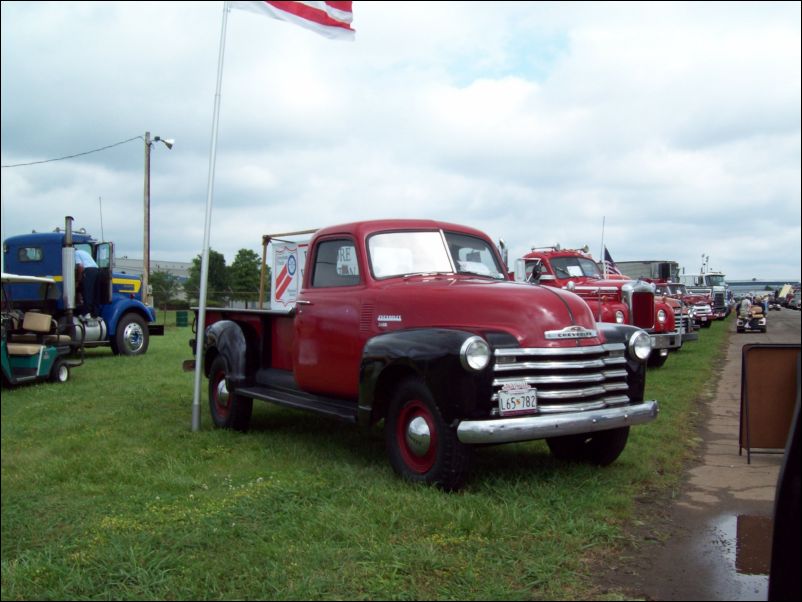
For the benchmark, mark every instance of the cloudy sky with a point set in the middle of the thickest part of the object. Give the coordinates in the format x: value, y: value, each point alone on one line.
x: 675, y: 125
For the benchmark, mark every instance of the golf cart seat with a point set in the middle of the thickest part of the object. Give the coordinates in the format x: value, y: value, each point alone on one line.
x: 24, y: 348
x: 36, y: 330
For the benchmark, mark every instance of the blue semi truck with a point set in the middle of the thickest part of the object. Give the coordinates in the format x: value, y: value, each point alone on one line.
x: 122, y: 320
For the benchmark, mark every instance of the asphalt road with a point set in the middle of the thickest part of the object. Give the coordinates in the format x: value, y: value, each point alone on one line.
x: 714, y: 541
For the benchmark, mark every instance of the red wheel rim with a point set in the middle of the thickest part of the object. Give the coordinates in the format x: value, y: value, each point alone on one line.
x: 418, y: 463
x: 221, y: 401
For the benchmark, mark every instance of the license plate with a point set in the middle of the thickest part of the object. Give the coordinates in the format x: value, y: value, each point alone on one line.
x: 517, y: 398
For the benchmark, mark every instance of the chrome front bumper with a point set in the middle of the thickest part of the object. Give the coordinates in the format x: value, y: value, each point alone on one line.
x: 528, y: 428
x: 670, y: 340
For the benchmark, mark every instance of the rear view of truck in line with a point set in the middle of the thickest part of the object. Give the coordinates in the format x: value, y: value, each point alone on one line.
x: 415, y: 323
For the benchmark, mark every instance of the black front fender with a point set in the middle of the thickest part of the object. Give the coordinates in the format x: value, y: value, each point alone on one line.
x: 430, y: 354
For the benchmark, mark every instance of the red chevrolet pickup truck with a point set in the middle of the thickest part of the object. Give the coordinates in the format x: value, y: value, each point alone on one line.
x: 417, y: 324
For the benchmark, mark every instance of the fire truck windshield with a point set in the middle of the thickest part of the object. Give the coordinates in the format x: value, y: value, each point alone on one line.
x: 574, y: 267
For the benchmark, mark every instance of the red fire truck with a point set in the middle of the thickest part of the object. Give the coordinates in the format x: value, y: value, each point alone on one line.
x: 611, y: 298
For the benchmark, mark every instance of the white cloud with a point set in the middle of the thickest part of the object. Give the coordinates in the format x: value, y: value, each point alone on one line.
x: 678, y: 124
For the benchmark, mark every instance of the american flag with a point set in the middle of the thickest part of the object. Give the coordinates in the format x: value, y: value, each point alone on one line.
x: 330, y: 18
x: 609, y: 264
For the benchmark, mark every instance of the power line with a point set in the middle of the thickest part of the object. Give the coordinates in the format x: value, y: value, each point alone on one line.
x: 76, y: 155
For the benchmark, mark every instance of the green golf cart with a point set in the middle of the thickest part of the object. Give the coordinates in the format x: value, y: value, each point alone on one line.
x: 32, y: 347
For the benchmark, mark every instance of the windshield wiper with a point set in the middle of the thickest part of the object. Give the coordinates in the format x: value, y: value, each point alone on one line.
x: 491, y: 276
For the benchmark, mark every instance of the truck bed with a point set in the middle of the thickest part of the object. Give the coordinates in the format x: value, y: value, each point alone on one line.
x: 268, y: 325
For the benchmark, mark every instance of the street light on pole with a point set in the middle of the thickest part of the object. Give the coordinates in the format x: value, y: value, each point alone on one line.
x: 146, y: 297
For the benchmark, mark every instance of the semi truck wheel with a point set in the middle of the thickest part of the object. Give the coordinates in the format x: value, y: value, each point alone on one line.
x: 600, y: 448
x: 228, y: 410
x: 421, y: 446
x: 131, y: 337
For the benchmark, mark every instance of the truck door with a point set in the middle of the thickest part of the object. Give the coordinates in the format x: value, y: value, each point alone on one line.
x: 104, y: 257
x: 328, y: 347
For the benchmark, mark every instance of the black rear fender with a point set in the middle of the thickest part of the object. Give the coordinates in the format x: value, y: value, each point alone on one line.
x: 227, y: 338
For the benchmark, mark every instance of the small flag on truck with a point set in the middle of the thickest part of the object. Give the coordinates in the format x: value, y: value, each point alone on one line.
x: 609, y: 264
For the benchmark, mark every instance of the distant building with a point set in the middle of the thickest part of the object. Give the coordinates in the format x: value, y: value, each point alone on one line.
x: 757, y: 287
x: 127, y: 265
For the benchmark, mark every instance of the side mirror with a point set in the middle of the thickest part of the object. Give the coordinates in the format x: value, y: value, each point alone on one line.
x: 520, y: 270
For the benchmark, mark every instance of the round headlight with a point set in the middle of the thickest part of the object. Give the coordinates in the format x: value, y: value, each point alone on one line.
x: 640, y: 345
x: 619, y: 317
x: 661, y: 315
x: 475, y: 354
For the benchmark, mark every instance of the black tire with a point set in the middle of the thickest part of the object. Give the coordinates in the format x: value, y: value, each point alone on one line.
x: 656, y: 360
x: 600, y: 448
x: 433, y: 455
x: 707, y: 324
x: 59, y: 372
x: 229, y: 411
x: 131, y: 337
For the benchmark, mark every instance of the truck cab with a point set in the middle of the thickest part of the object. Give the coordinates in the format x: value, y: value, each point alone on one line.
x: 415, y: 323
x: 611, y: 298
x: 123, y: 321
x: 713, y: 284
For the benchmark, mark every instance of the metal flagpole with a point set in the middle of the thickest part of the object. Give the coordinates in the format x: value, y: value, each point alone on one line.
x: 208, y: 225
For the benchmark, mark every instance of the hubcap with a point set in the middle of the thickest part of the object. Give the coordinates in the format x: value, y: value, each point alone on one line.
x: 222, y: 397
x: 416, y: 436
x: 134, y: 337
x: 419, y: 437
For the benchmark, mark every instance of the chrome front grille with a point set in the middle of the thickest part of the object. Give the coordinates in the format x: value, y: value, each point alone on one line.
x: 567, y: 379
x: 703, y: 310
x: 682, y: 322
x: 639, y: 297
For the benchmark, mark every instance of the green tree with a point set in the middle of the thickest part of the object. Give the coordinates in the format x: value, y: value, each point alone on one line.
x: 243, y: 276
x: 217, y: 285
x: 166, y: 286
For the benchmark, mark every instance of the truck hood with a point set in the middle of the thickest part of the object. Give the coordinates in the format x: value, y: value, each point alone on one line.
x: 527, y: 312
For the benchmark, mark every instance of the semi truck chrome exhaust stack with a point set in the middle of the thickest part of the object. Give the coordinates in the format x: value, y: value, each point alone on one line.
x: 68, y: 269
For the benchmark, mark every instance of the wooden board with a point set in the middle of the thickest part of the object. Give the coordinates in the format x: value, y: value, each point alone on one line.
x: 769, y: 385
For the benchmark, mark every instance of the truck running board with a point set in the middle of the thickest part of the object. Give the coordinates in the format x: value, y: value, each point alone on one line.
x: 281, y: 389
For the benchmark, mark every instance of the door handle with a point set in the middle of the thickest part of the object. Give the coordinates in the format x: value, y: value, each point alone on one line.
x: 302, y: 302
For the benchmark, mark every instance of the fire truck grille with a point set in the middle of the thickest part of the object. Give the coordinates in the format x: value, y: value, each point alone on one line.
x: 566, y: 379
x: 682, y: 322
x: 642, y: 310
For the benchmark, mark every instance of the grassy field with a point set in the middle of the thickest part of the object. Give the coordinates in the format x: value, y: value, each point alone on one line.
x: 107, y: 494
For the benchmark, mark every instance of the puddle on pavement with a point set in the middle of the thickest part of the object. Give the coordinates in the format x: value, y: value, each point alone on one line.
x: 744, y: 542
x: 753, y: 545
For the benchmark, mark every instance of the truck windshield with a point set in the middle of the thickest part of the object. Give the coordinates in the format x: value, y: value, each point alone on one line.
x: 715, y: 280
x: 431, y: 252
x: 574, y: 267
